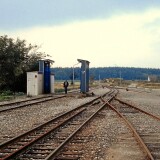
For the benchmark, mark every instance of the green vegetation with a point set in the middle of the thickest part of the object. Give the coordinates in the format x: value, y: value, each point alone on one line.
x: 126, y: 73
x: 6, y: 95
x: 9, y: 95
x: 16, y: 58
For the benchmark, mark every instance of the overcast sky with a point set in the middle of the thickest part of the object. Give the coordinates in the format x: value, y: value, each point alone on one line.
x: 123, y: 33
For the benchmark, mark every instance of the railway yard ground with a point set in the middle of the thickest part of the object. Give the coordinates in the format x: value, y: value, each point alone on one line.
x: 106, y: 137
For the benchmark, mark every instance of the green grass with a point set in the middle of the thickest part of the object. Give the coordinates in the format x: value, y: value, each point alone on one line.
x: 6, y: 95
x: 9, y: 95
x: 4, y: 98
x: 60, y: 90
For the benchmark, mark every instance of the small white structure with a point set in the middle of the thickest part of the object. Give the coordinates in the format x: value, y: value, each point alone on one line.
x: 34, y: 83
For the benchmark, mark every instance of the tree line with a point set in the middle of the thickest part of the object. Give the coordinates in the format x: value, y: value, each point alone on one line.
x: 18, y: 57
x: 126, y: 73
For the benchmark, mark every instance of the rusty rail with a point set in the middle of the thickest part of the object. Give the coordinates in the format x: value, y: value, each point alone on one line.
x: 134, y: 132
x: 153, y: 116
x: 35, y: 139
x: 54, y: 153
x: 27, y: 104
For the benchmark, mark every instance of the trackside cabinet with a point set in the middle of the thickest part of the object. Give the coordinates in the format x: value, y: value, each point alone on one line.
x: 44, y: 67
x: 47, y: 77
x: 84, y: 75
x: 42, y: 81
x: 34, y: 83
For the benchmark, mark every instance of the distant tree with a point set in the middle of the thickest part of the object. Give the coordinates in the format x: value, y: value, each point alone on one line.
x: 16, y: 58
x: 127, y: 73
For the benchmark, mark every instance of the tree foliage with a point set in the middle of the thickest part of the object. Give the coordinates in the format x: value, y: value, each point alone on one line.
x: 127, y: 73
x: 66, y: 73
x: 16, y: 58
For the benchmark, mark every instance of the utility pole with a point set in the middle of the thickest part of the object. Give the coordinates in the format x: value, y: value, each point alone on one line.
x: 73, y: 72
x: 120, y: 77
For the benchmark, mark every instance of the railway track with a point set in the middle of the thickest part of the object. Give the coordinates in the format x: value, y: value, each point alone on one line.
x: 145, y: 127
x: 49, y: 140
x: 31, y: 101
x: 66, y: 138
x: 27, y: 102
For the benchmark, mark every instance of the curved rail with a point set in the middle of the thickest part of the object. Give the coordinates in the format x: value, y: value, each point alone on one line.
x: 54, y: 153
x: 28, y: 144
x: 145, y: 148
x: 147, y: 113
x: 41, y: 125
x: 30, y: 137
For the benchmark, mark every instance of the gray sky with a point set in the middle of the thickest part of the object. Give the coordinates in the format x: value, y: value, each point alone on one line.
x: 105, y: 32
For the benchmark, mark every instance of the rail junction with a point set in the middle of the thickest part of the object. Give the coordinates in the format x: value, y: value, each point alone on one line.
x: 66, y: 136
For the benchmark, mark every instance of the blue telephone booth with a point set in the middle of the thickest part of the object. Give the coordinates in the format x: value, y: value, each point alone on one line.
x: 47, y: 77
x: 44, y: 67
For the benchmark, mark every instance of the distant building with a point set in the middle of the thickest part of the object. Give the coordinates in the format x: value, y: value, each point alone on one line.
x: 152, y: 78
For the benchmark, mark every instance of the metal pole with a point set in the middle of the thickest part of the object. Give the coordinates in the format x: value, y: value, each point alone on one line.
x: 99, y: 79
x: 73, y: 72
x: 85, y: 76
x: 73, y: 75
x: 120, y: 77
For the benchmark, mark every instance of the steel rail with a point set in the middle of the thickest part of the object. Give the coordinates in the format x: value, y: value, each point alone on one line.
x: 41, y: 125
x: 145, y: 148
x: 22, y: 101
x: 153, y: 116
x: 112, y: 96
x: 38, y: 127
x: 54, y: 153
x: 21, y: 149
x: 32, y: 103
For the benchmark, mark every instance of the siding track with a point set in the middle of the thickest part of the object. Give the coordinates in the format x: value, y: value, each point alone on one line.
x: 145, y: 127
x: 28, y: 102
x: 48, y: 140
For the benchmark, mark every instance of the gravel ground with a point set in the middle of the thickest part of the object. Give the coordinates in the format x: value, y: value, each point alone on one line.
x: 149, y: 101
x: 106, y: 132
x: 15, y: 122
x: 111, y: 138
x: 111, y: 141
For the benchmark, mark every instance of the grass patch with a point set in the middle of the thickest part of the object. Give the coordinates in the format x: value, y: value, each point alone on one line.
x: 9, y: 95
x: 150, y: 85
x: 59, y: 86
x: 5, y: 98
x: 6, y: 95
x: 59, y: 90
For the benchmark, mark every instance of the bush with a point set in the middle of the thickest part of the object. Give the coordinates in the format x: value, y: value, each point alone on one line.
x: 6, y: 93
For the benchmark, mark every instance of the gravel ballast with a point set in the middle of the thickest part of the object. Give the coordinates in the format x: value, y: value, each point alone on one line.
x: 106, y: 131
x: 17, y: 121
